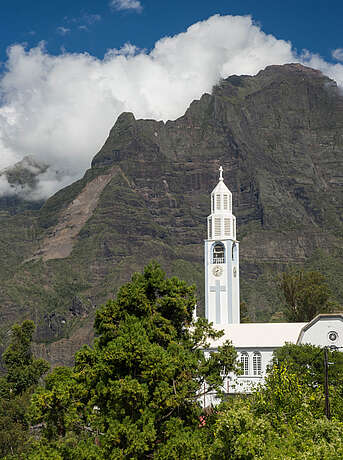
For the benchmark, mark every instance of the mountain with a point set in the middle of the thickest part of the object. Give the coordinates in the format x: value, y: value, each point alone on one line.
x: 278, y: 136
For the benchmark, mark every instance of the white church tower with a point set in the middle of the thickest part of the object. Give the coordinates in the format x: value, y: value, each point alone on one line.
x: 221, y: 259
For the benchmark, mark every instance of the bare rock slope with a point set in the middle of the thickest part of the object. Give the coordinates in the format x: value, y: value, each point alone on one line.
x: 278, y: 136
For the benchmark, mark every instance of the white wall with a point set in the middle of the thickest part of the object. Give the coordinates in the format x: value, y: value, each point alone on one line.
x: 244, y: 383
x: 315, y: 333
x: 234, y: 384
x: 318, y: 333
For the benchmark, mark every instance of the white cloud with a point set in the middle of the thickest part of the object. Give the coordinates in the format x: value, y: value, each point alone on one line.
x: 337, y: 54
x: 91, y: 18
x: 82, y: 22
x: 126, y: 5
x: 61, y: 108
x: 63, y: 30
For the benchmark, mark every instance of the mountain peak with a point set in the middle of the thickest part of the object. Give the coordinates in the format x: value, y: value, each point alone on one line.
x: 278, y: 136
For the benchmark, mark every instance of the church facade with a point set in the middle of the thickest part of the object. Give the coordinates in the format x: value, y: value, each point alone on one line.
x: 254, y: 342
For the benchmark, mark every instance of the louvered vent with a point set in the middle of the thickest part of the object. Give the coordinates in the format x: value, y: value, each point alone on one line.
x: 230, y: 203
x: 227, y: 227
x: 225, y: 202
x: 217, y: 226
x: 218, y: 201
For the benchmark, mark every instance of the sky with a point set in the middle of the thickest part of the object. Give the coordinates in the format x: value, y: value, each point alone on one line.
x: 69, y: 68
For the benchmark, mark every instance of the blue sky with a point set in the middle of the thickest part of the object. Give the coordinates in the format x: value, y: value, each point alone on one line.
x: 69, y: 68
x: 94, y: 26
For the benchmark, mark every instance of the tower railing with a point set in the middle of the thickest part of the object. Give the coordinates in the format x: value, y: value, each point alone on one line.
x: 218, y: 260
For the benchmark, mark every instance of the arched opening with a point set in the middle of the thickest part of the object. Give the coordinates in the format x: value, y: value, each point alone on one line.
x: 245, y: 363
x: 257, y: 363
x: 218, y: 253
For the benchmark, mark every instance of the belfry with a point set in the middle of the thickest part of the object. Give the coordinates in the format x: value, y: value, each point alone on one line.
x: 221, y: 259
x: 254, y: 342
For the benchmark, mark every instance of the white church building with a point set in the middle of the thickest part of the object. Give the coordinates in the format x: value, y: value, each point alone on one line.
x: 254, y: 342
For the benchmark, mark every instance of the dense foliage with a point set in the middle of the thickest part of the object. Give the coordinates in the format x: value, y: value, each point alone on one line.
x: 307, y: 363
x: 282, y: 420
x: 16, y: 387
x: 135, y: 393
x: 304, y: 294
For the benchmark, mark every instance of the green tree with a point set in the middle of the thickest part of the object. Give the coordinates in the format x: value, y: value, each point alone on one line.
x: 16, y: 387
x: 306, y: 361
x: 280, y: 420
x: 304, y: 294
x: 135, y: 394
x: 23, y: 370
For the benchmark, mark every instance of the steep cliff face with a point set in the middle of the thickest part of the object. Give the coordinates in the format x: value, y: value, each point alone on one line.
x: 279, y: 138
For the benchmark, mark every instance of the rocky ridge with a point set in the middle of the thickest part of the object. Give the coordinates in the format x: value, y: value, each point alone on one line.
x: 278, y: 136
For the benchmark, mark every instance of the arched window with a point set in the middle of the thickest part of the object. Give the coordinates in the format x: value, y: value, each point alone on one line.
x: 245, y: 363
x: 234, y: 252
x: 218, y: 253
x: 257, y: 363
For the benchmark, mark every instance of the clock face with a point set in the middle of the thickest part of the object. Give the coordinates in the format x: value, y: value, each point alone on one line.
x: 333, y: 336
x: 217, y: 270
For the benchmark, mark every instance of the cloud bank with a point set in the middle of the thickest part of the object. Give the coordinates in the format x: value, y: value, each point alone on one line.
x: 60, y: 108
x: 338, y: 54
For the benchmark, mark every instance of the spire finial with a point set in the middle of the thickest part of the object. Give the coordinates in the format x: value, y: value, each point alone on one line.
x: 221, y: 173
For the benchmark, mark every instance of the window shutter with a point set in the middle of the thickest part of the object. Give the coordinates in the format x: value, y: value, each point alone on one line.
x: 210, y: 228
x: 227, y: 226
x: 218, y: 201
x: 225, y: 202
x: 217, y: 226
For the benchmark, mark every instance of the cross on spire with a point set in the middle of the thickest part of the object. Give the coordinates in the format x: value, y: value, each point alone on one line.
x: 220, y: 173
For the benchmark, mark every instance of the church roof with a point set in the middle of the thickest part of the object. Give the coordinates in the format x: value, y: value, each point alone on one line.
x: 258, y: 335
x: 221, y: 188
